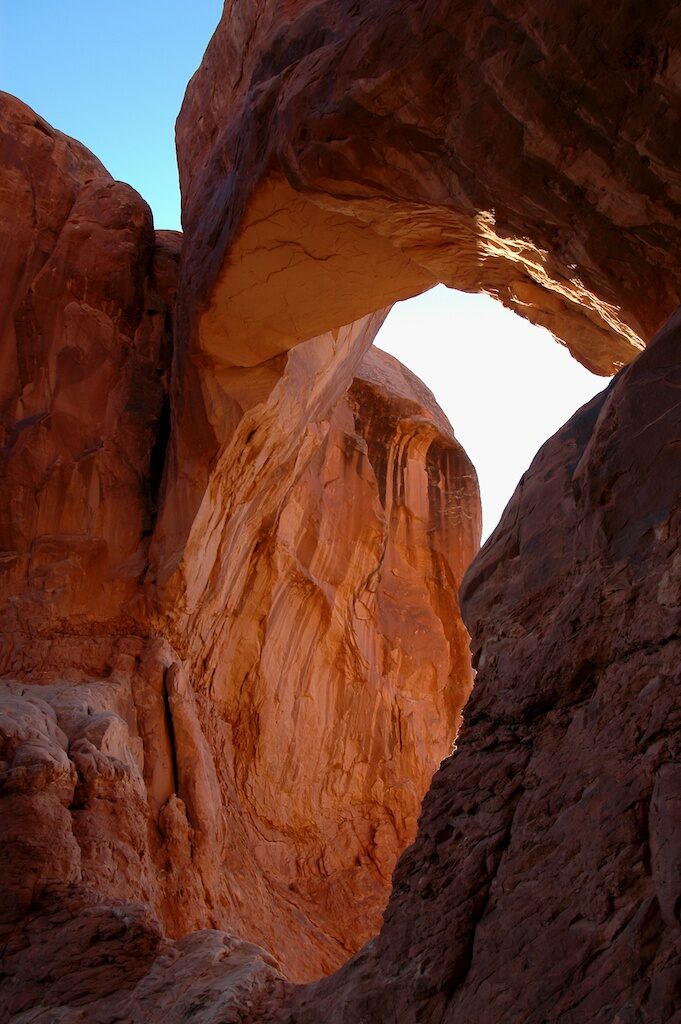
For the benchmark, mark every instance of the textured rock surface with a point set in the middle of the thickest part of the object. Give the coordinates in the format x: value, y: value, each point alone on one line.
x: 85, y: 347
x: 223, y: 690
x: 337, y: 156
x: 77, y: 958
x: 315, y: 606
x: 341, y: 664
x: 242, y: 740
x: 545, y: 883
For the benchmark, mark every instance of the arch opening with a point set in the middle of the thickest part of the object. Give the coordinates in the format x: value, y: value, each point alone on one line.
x: 504, y: 383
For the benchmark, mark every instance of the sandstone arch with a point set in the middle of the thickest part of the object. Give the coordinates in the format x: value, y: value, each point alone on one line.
x: 242, y: 741
x: 313, y: 148
x: 303, y: 133
x: 322, y: 180
x: 313, y: 136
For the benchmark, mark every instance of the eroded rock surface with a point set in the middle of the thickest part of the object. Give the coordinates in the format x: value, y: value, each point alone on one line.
x: 230, y: 716
x: 85, y: 341
x: 544, y: 883
x: 337, y: 156
x: 78, y: 957
x: 341, y: 663
x: 232, y: 540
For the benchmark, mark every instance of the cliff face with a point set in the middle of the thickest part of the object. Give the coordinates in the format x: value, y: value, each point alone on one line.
x: 85, y: 346
x: 544, y: 883
x: 246, y: 744
x: 233, y: 538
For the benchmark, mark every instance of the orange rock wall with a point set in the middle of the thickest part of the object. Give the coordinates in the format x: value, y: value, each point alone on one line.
x: 339, y: 677
x: 261, y: 658
x: 230, y: 716
x: 87, y: 290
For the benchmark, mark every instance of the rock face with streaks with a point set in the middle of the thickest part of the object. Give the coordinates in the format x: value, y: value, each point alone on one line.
x: 233, y: 537
x: 544, y: 883
x: 344, y: 666
x: 85, y: 346
x: 243, y: 742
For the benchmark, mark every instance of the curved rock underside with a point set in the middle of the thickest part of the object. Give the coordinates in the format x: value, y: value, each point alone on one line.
x: 369, y: 151
x: 233, y: 536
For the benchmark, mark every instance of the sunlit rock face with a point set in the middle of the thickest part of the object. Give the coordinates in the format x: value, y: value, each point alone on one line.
x: 341, y: 664
x: 337, y: 156
x: 319, y: 618
x: 231, y: 725
x: 232, y: 651
x: 544, y: 883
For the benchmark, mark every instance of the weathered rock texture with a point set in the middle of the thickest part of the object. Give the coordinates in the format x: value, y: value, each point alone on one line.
x: 337, y: 156
x: 246, y: 746
x: 232, y: 655
x: 545, y: 883
x: 85, y: 289
x: 80, y: 958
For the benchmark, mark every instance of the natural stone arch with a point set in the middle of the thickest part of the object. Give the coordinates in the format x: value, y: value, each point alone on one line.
x: 633, y: 216
x: 323, y: 178
x: 252, y: 739
x: 322, y: 181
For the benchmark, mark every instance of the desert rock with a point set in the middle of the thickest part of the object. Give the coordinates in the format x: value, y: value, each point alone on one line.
x: 544, y: 881
x: 86, y: 347
x: 233, y: 725
x: 233, y: 537
x: 336, y: 157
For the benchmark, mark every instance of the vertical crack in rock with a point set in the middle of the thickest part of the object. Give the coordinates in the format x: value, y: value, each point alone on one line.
x: 170, y: 729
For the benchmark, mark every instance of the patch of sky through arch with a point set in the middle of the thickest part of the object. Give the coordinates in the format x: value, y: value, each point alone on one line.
x: 505, y: 385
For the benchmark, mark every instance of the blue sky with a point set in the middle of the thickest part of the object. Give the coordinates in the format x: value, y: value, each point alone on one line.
x: 113, y: 75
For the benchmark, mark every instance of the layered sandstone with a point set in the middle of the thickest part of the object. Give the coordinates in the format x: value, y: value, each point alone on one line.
x: 545, y: 882
x: 552, y: 829
x: 233, y: 540
x: 242, y: 743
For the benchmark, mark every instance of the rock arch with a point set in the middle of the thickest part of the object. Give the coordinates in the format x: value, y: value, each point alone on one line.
x: 324, y: 177
x: 322, y: 180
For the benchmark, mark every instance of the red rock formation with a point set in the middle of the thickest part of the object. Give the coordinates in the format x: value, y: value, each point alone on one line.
x: 85, y: 344
x: 184, y: 713
x: 248, y: 746
x: 553, y: 828
x: 319, y: 610
x: 545, y: 882
x: 84, y: 958
x: 349, y: 155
